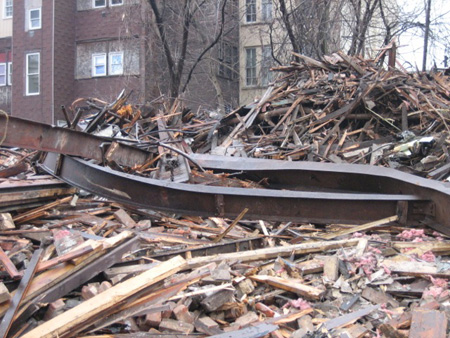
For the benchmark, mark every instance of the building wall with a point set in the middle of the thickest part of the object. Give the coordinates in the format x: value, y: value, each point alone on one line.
x: 106, y: 30
x: 5, y: 56
x: 72, y: 32
x: 64, y: 56
x: 5, y: 23
x: 33, y: 107
x: 253, y: 35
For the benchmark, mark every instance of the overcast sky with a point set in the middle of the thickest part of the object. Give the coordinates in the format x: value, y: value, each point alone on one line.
x: 411, y: 44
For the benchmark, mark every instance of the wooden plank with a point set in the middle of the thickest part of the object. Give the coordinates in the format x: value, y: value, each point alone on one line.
x: 363, y: 227
x: 4, y: 293
x: 428, y: 324
x: 48, y: 279
x: 291, y: 285
x: 9, y: 266
x: 403, y: 266
x: 74, y: 318
x: 75, y: 253
x: 267, y: 253
x: 123, y: 217
x: 18, y: 297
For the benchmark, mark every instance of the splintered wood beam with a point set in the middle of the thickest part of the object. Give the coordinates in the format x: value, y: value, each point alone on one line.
x: 20, y: 294
x: 291, y: 285
x: 74, y: 319
x: 232, y: 225
x: 267, y: 253
x: 363, y: 227
x: 9, y: 266
x: 35, y: 213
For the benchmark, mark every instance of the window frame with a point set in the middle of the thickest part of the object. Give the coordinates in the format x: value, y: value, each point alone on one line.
x: 27, y: 74
x: 252, y: 80
x: 114, y: 5
x: 9, y: 74
x: 6, y: 8
x: 3, y: 74
x: 266, y: 10
x: 94, y: 64
x: 110, y: 57
x: 250, y: 11
x: 30, y: 25
x: 95, y: 6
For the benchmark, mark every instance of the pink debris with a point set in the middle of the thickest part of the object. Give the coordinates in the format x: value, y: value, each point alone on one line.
x: 387, y: 271
x: 428, y: 257
x: 438, y: 236
x: 435, y: 292
x: 411, y: 234
x: 358, y: 235
x: 374, y: 250
x: 300, y: 304
x: 439, y: 282
x: 368, y: 263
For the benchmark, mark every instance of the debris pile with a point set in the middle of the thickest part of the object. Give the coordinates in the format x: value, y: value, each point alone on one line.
x: 82, y: 266
x: 77, y: 265
x: 346, y: 110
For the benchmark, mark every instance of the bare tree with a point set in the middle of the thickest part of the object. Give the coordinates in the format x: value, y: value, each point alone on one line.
x: 178, y: 24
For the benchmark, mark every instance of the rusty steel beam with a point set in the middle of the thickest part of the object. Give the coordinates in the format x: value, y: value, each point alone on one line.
x: 268, y: 204
x: 306, y: 191
x: 39, y: 136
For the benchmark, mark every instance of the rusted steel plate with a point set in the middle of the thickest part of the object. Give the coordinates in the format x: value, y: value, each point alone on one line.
x: 40, y: 136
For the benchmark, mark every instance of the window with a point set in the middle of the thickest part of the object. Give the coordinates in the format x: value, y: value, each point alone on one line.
x: 266, y: 10
x: 266, y: 64
x: 2, y: 74
x: 228, y: 59
x: 115, y: 2
x: 99, y: 64
x: 35, y: 18
x: 8, y: 10
x: 115, y: 63
x: 9, y: 73
x: 32, y: 76
x: 250, y: 67
x: 250, y: 10
x: 99, y: 3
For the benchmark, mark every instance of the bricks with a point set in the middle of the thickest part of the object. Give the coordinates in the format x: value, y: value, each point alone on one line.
x: 182, y: 313
x: 176, y: 326
x: 153, y: 319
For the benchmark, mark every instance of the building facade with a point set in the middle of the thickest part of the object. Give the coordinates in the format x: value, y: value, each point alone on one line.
x: 55, y: 52
x: 6, y: 15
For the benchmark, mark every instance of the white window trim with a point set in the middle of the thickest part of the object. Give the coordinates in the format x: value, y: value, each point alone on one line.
x: 30, y: 27
x: 5, y: 74
x: 94, y: 74
x: 253, y: 67
x: 4, y: 11
x: 94, y: 6
x: 28, y: 74
x: 255, y: 14
x: 110, y: 56
x: 9, y: 74
x: 114, y: 5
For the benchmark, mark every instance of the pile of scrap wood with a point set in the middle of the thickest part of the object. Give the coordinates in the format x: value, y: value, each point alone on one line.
x: 342, y: 109
x: 345, y: 110
x: 83, y: 266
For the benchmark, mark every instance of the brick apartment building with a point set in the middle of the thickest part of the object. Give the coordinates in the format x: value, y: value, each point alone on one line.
x: 53, y: 52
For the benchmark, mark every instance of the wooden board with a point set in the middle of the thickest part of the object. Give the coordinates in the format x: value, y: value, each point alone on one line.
x: 75, y: 317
